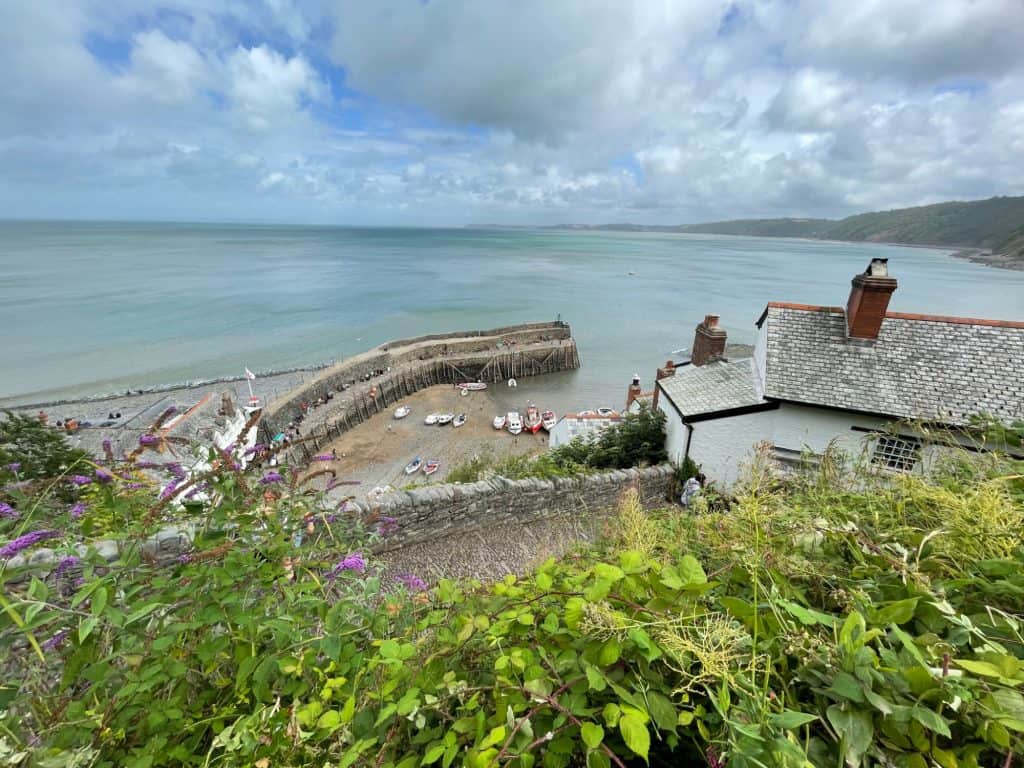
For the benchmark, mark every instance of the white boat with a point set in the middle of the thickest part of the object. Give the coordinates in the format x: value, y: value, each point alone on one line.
x: 431, y: 419
x: 402, y: 411
x: 548, y: 420
x: 431, y: 466
x: 587, y: 413
x: 515, y: 422
x: 472, y: 386
x: 459, y: 420
x: 499, y: 422
x: 445, y: 418
x: 413, y: 466
x: 607, y: 412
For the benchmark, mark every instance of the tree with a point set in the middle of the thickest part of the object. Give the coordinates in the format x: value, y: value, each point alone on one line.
x: 31, y: 450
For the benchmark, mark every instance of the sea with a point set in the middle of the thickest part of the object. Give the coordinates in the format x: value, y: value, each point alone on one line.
x: 103, y: 307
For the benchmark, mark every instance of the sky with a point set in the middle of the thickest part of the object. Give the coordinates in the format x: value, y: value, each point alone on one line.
x: 461, y: 112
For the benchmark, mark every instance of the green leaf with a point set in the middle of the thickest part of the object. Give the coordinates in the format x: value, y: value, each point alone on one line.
x: 329, y: 720
x: 99, y: 601
x: 631, y: 561
x: 610, y: 652
x: 930, y: 720
x: 663, y: 712
x: 856, y: 730
x: 433, y: 753
x: 573, y: 612
x: 846, y: 686
x: 807, y: 616
x: 611, y: 714
x: 983, y: 668
x: 691, y: 572
x: 634, y: 733
x: 592, y: 734
x: 608, y: 572
x: 789, y: 719
x: 86, y: 627
x: 543, y: 581
x: 348, y: 710
x: 898, y: 612
x: 496, y: 735
x: 598, y: 759
x: 595, y: 679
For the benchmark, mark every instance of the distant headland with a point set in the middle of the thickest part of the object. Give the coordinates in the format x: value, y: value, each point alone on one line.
x: 985, y: 231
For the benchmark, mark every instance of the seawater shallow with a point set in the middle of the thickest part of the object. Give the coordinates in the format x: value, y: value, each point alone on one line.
x: 90, y: 308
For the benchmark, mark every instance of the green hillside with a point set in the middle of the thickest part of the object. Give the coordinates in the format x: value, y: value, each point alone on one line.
x: 980, y: 223
x: 763, y: 227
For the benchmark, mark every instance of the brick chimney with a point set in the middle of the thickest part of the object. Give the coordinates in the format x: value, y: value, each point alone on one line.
x: 667, y: 372
x: 709, y: 342
x: 634, y: 391
x: 869, y: 300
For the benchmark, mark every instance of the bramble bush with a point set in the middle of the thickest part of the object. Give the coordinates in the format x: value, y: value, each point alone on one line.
x: 833, y: 619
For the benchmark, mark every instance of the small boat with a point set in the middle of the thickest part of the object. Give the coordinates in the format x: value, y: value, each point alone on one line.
x: 431, y: 466
x: 587, y: 413
x: 513, y: 383
x: 515, y: 423
x: 533, y: 420
x: 548, y: 420
x: 472, y: 386
x: 413, y: 466
x: 402, y: 411
x: 459, y: 420
x: 445, y: 418
x: 431, y: 419
x: 607, y: 412
x: 499, y: 422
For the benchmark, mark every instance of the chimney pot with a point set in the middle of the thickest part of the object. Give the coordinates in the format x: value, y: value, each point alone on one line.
x: 708, y: 342
x: 869, y: 301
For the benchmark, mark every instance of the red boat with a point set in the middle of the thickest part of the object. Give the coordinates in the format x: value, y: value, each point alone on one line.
x: 533, y: 420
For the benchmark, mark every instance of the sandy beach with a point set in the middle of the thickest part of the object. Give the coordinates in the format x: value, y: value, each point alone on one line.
x: 376, y: 452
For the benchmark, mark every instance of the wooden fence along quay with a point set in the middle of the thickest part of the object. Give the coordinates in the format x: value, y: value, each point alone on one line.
x: 410, y: 365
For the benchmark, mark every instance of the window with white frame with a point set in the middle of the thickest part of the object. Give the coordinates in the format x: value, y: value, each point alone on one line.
x: 897, y: 453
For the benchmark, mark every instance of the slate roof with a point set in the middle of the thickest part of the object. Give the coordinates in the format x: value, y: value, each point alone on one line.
x: 716, y: 386
x: 923, y: 367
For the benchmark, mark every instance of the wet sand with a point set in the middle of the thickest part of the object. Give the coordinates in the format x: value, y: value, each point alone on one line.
x: 376, y: 452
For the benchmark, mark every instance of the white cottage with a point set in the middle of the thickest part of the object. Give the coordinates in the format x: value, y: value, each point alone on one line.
x: 821, y: 374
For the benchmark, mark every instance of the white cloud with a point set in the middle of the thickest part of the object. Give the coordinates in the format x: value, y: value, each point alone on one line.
x: 266, y: 88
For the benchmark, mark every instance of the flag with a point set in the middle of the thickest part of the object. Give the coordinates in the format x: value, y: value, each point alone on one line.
x: 249, y: 374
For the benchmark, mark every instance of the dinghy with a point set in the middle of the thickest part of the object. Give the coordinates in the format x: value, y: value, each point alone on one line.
x: 548, y: 420
x: 431, y: 419
x: 431, y: 466
x: 445, y: 418
x: 413, y: 466
x: 402, y: 411
x: 459, y: 420
x: 499, y: 422
x: 472, y: 386
x: 515, y: 423
x: 607, y: 413
x: 533, y: 421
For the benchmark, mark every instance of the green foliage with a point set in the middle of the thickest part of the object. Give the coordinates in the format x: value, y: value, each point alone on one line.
x: 838, y: 620
x: 41, y: 451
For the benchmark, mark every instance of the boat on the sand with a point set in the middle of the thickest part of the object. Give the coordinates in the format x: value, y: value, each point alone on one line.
x: 587, y: 413
x: 402, y: 411
x: 607, y: 412
x: 515, y: 422
x: 459, y: 420
x: 499, y: 422
x: 430, y: 419
x: 431, y: 466
x: 445, y: 418
x: 533, y: 421
x: 548, y: 420
x: 413, y: 466
x: 472, y: 386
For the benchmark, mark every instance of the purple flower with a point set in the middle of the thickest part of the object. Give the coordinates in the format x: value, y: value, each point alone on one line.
x: 103, y: 476
x: 20, y: 544
x: 14, y: 466
x: 78, y: 510
x: 271, y: 477
x: 148, y: 440
x: 80, y: 479
x: 185, y: 559
x: 65, y: 565
x: 255, y: 449
x: 134, y: 486
x: 169, y: 490
x: 8, y: 512
x: 56, y: 641
x: 176, y: 469
x: 353, y: 562
x: 411, y: 582
x: 387, y: 526
x: 324, y: 457
x: 107, y: 445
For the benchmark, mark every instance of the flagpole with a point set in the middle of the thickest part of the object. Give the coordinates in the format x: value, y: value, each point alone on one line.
x: 248, y: 380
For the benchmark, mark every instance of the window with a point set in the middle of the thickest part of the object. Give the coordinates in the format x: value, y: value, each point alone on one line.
x: 896, y: 453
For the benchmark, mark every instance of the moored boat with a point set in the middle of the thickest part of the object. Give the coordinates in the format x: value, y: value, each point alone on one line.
x: 431, y: 466
x: 459, y: 420
x: 413, y: 466
x: 515, y: 422
x: 402, y: 411
x: 533, y: 421
x: 472, y: 386
x: 607, y: 412
x: 430, y: 419
x: 445, y: 418
x: 548, y: 420
x: 499, y: 422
